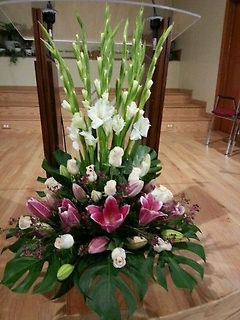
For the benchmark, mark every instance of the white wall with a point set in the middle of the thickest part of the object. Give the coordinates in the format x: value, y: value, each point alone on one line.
x: 197, y: 69
x: 200, y: 46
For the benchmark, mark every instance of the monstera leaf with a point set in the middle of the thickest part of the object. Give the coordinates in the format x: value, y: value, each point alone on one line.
x: 99, y: 281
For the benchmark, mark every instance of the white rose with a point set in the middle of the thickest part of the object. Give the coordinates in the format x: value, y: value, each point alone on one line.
x: 64, y: 241
x: 119, y: 257
x: 115, y: 157
x: 96, y: 195
x: 162, y: 194
x: 72, y: 166
x: 24, y: 222
x: 145, y: 165
x: 110, y: 188
x: 135, y: 174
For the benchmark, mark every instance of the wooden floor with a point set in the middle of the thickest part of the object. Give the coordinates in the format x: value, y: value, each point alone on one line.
x: 203, y: 173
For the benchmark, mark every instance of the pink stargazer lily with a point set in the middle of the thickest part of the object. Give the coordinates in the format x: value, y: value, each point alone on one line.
x: 68, y: 213
x: 111, y: 216
x: 150, y: 209
x: 39, y: 209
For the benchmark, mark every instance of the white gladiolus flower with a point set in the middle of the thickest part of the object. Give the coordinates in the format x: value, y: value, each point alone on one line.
x: 140, y: 128
x: 100, y: 113
x: 90, y: 139
x: 162, y: 245
x: 64, y: 241
x: 162, y: 194
x: 52, y: 184
x: 117, y: 124
x: 24, y: 222
x: 73, y: 134
x: 78, y: 121
x: 115, y: 157
x: 110, y: 188
x: 91, y: 174
x: 119, y: 257
x: 72, y: 166
x: 66, y: 106
x: 132, y: 110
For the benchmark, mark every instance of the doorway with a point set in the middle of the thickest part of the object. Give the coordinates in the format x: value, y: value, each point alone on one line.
x: 228, y: 82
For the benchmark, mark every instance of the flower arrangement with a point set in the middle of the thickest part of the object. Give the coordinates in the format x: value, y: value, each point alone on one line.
x: 101, y: 221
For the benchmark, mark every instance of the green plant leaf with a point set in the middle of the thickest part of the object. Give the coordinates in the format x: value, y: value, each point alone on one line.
x: 161, y: 275
x: 56, y: 175
x: 190, y: 246
x: 61, y: 157
x: 192, y: 263
x: 19, y: 267
x: 49, y: 280
x: 142, y: 151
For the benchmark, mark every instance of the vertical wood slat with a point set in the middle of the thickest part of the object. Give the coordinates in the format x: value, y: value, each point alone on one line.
x: 156, y: 101
x: 48, y: 92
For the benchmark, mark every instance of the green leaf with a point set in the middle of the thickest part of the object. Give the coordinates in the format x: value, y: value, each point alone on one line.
x: 191, y: 246
x: 27, y: 267
x: 181, y: 278
x: 61, y: 157
x: 142, y: 151
x: 106, y: 304
x: 161, y: 274
x: 56, y: 175
x: 49, y: 280
x: 192, y: 263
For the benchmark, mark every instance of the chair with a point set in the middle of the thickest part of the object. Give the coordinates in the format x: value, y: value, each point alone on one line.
x: 230, y: 114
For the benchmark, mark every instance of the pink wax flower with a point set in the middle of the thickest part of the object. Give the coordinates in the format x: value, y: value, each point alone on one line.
x: 68, y: 213
x: 150, y: 209
x: 111, y: 216
x: 98, y: 244
x: 39, y: 209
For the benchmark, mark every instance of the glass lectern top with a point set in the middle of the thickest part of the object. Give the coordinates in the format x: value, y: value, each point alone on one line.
x: 19, y: 13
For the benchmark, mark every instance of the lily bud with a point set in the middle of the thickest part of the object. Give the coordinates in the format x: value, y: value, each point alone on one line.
x: 170, y: 234
x: 136, y: 242
x: 134, y: 188
x: 97, y: 245
x: 78, y: 192
x: 39, y: 209
x: 64, y: 271
x: 64, y: 172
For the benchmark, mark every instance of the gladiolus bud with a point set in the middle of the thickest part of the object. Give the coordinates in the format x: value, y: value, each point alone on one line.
x: 170, y: 234
x: 78, y: 192
x: 39, y: 209
x: 64, y: 172
x: 64, y: 271
x: 97, y: 245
